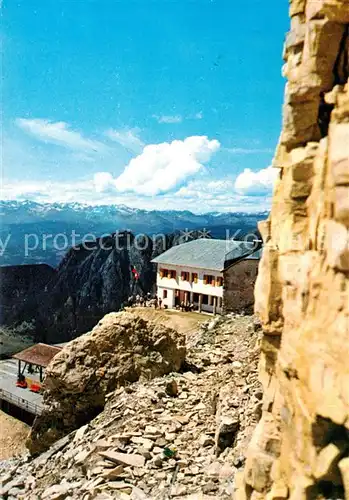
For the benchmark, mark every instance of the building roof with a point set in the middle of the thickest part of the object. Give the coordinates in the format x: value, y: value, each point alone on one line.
x: 205, y: 253
x: 38, y: 354
x: 244, y: 253
x: 257, y: 255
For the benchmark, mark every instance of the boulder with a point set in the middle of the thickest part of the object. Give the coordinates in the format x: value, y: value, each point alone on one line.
x: 121, y: 349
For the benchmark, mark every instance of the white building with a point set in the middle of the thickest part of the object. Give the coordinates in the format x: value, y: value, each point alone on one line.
x: 193, y: 272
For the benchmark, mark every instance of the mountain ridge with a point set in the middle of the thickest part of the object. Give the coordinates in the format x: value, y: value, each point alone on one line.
x: 43, y: 222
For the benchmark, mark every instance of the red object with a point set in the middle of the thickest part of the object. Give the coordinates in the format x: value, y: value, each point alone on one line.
x: 135, y: 274
x: 22, y: 385
x: 35, y: 388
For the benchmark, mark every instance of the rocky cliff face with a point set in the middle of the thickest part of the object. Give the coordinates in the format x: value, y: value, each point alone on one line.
x: 20, y: 288
x: 300, y: 447
x: 91, y: 281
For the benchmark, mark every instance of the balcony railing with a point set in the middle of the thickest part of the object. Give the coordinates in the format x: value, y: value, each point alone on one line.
x: 20, y: 402
x: 192, y: 283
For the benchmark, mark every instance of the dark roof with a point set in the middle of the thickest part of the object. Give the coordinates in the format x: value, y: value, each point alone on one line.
x: 232, y: 259
x: 38, y: 354
x: 205, y: 253
x: 247, y: 254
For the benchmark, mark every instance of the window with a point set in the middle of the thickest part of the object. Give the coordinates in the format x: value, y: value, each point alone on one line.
x: 194, y: 277
x: 167, y: 273
x: 205, y: 299
x: 164, y: 294
x: 209, y: 280
x: 185, y: 276
x: 219, y: 281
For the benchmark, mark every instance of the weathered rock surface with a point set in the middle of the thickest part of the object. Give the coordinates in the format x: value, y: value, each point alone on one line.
x: 121, y: 349
x: 21, y: 291
x: 300, y: 447
x: 149, y: 444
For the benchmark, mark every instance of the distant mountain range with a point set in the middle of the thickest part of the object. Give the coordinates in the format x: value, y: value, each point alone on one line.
x: 28, y: 229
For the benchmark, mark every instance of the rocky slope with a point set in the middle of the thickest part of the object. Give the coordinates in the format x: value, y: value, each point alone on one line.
x: 300, y: 449
x: 179, y: 436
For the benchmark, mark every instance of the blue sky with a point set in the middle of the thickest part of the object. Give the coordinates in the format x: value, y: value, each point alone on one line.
x: 158, y: 104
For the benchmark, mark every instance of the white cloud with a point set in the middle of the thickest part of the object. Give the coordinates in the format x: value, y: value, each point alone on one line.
x: 48, y: 191
x: 161, y: 167
x: 207, y: 190
x: 207, y: 195
x: 103, y: 181
x: 58, y: 133
x: 170, y: 175
x: 128, y: 138
x: 256, y: 183
x: 198, y: 196
x: 168, y: 118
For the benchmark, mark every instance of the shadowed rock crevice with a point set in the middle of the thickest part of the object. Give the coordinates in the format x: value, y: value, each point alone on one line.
x: 227, y: 434
x: 324, y: 116
x: 341, y: 65
x: 324, y: 431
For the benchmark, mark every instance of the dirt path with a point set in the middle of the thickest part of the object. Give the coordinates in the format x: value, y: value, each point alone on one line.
x: 183, y: 322
x: 13, y: 434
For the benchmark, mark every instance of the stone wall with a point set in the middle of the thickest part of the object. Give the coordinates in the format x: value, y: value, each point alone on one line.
x: 239, y: 281
x: 300, y: 447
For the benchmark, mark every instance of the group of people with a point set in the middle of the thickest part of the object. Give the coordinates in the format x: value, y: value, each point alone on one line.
x: 145, y: 301
x: 149, y: 300
x: 186, y: 306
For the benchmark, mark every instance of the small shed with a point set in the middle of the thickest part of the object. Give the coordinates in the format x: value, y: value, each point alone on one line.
x: 38, y: 355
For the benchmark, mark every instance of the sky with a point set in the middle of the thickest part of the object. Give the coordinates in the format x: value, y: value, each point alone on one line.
x: 157, y: 104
